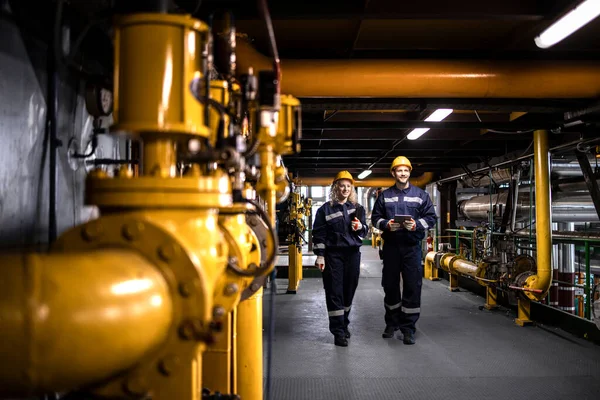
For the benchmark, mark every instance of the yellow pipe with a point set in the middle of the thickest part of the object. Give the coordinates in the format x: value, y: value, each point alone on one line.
x: 157, y: 56
x: 455, y: 264
x: 249, y: 348
x: 430, y: 270
x: 217, y: 360
x: 73, y: 319
x: 419, y: 181
x: 159, y: 158
x: 429, y: 78
x: 266, y: 186
x: 543, y: 229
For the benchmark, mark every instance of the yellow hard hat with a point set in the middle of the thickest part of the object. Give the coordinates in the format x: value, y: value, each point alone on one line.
x: 401, y: 160
x: 344, y: 175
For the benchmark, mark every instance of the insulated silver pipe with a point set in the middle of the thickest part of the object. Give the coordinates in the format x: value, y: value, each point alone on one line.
x: 567, y: 251
x: 573, y: 186
x: 565, y: 207
x: 566, y: 169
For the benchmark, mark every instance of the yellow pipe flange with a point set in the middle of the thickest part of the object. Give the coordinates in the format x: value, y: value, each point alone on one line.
x: 155, y: 192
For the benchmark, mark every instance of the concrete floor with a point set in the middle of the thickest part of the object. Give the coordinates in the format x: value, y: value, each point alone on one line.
x: 461, y: 351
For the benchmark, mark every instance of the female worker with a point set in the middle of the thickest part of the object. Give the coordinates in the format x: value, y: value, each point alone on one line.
x: 337, y: 236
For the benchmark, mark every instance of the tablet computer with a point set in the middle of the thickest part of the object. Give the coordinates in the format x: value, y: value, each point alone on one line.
x: 401, y: 218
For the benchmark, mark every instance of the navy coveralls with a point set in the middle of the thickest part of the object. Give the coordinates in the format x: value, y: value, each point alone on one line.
x: 334, y: 239
x: 402, y: 252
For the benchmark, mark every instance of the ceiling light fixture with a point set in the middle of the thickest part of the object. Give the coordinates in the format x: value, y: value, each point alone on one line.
x: 364, y: 174
x: 436, y: 116
x: 571, y: 22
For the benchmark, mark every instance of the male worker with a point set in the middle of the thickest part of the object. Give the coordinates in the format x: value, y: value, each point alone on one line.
x: 401, y: 248
x: 337, y: 236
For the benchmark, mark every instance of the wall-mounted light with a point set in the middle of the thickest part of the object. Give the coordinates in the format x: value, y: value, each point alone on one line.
x: 572, y: 21
x: 364, y: 174
x: 436, y: 116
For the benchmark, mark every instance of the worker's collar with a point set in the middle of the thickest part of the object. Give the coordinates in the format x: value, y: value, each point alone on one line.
x: 402, y: 190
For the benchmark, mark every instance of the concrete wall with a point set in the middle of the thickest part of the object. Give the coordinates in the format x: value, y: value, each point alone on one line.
x: 24, y: 161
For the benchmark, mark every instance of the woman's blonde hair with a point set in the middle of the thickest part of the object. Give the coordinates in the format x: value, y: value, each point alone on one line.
x: 335, y: 196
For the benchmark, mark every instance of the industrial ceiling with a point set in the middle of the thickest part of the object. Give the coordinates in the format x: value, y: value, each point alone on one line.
x: 367, y: 71
x: 359, y: 132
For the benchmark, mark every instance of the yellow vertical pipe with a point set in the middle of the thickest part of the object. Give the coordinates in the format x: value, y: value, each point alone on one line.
x: 543, y: 218
x: 266, y: 182
x: 250, y: 348
x: 299, y: 263
x: 159, y: 158
x: 234, y: 351
x: 217, y: 359
x: 429, y: 268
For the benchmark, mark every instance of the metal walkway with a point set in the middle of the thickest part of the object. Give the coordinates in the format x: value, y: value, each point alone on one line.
x: 461, y: 352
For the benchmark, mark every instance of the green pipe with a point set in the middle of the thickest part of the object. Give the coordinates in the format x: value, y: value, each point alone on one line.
x: 588, y: 282
x: 457, y: 243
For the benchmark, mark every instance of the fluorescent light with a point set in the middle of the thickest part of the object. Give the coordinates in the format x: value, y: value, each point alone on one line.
x: 436, y: 116
x: 416, y: 133
x: 364, y: 174
x: 575, y: 19
x: 439, y: 115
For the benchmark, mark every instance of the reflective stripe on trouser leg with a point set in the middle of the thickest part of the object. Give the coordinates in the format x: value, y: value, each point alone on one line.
x: 412, y: 281
x: 333, y: 280
x: 390, y: 280
x: 351, y: 275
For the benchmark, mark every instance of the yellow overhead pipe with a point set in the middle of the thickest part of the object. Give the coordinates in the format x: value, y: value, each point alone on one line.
x: 419, y: 181
x: 73, y: 319
x: 430, y: 78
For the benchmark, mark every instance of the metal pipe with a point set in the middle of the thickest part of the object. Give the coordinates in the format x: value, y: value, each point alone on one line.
x: 566, y: 169
x: 579, y: 186
x: 543, y: 218
x: 419, y: 181
x: 513, y: 216
x: 430, y: 78
x: 464, y: 267
x: 249, y: 363
x: 566, y: 271
x: 499, y: 176
x: 570, y: 207
x: 73, y: 319
x: 455, y: 264
x: 561, y: 147
x: 575, y: 236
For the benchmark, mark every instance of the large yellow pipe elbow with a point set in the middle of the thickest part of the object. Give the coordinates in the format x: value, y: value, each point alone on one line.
x: 73, y: 319
x: 543, y: 225
x: 430, y: 78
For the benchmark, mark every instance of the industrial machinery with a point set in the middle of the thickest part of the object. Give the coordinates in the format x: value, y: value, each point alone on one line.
x: 161, y: 295
x: 494, y: 262
x: 511, y: 246
x: 299, y: 210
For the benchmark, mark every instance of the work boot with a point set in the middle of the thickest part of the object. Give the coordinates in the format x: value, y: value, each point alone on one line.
x: 341, y: 341
x: 409, y: 337
x: 347, y: 333
x: 388, y: 332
